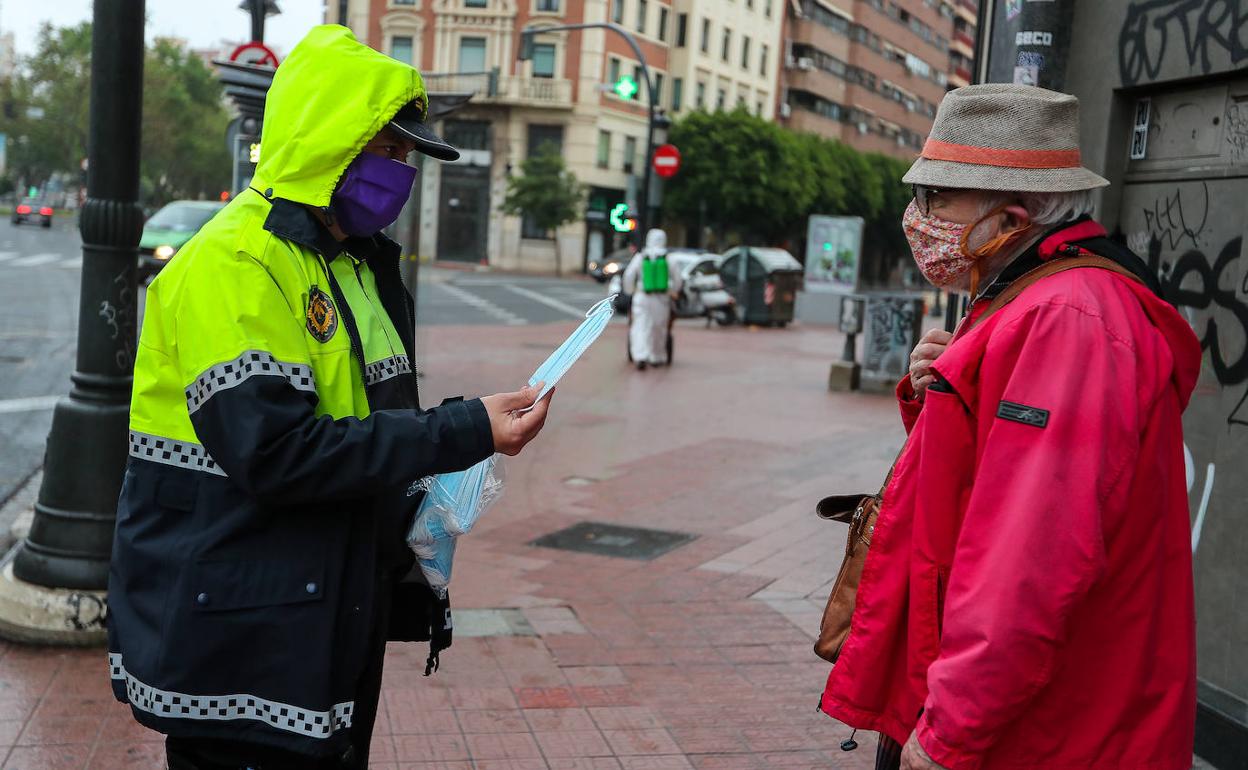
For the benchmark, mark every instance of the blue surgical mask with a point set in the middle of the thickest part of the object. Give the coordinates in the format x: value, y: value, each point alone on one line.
x: 578, y: 342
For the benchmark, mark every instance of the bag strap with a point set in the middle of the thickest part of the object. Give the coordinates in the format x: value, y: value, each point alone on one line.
x: 1052, y: 267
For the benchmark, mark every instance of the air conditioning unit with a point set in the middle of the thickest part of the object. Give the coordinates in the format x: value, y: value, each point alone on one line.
x: 901, y: 141
x: 785, y: 110
x: 805, y: 63
x: 863, y: 128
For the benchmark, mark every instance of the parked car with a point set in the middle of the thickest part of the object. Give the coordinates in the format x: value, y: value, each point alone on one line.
x: 33, y: 210
x: 613, y: 264
x: 168, y: 230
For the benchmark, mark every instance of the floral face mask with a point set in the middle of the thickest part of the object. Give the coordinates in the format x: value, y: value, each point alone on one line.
x: 940, y: 246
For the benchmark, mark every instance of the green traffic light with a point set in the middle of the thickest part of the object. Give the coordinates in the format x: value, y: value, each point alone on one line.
x: 827, y: 246
x: 620, y: 220
x: 626, y: 87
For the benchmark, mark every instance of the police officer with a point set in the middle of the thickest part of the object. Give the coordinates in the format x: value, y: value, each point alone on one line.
x: 259, y: 564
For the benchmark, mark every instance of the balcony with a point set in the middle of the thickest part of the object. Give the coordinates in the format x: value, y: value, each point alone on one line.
x: 493, y: 88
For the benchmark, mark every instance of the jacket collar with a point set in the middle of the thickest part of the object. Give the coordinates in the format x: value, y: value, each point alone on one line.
x: 295, y: 222
x: 1045, y: 247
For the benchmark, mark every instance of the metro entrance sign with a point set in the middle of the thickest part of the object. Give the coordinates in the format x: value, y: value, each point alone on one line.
x: 255, y: 54
x: 666, y: 160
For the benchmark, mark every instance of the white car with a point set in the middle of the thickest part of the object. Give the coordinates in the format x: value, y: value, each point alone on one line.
x: 702, y: 293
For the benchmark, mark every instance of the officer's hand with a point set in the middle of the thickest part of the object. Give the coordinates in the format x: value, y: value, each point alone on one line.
x: 921, y: 358
x: 512, y: 431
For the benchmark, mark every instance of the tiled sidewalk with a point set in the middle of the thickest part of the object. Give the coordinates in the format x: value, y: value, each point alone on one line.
x: 698, y: 659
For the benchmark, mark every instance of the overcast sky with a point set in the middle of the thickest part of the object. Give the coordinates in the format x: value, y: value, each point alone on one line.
x: 205, y: 23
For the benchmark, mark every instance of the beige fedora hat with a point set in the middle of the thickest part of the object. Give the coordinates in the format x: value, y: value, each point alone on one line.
x: 998, y: 136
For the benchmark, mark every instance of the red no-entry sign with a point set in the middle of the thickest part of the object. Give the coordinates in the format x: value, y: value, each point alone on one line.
x: 666, y: 160
x: 256, y: 54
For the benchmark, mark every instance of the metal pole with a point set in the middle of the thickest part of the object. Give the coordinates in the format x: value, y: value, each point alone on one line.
x: 257, y: 20
x: 643, y: 218
x: 71, y: 538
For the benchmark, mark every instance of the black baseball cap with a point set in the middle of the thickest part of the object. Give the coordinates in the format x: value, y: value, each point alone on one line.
x: 410, y: 122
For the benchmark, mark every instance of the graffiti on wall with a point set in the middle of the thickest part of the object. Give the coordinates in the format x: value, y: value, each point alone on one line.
x: 1203, y: 29
x: 1200, y: 284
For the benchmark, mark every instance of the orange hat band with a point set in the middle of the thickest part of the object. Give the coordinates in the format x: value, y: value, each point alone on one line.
x: 934, y: 149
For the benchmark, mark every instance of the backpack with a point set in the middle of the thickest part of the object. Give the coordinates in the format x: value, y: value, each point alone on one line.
x: 654, y: 275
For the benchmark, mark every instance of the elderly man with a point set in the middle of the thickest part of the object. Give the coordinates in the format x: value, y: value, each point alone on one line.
x: 1027, y: 599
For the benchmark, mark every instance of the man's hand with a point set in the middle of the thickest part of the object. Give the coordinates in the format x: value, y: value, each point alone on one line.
x: 512, y: 431
x: 913, y: 757
x: 921, y: 358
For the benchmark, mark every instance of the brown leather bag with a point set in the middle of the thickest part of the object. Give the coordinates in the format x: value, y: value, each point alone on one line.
x: 861, y: 511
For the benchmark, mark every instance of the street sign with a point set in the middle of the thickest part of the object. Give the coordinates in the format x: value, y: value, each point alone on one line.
x: 666, y: 160
x: 255, y: 54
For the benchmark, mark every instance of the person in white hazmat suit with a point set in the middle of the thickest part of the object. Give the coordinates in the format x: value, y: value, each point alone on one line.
x: 654, y: 283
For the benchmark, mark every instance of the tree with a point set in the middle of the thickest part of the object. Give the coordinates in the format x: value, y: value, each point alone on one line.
x: 46, y: 117
x: 741, y: 171
x: 184, y: 122
x: 547, y: 192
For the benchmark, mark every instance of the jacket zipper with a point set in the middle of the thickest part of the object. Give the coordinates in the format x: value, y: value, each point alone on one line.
x: 360, y: 279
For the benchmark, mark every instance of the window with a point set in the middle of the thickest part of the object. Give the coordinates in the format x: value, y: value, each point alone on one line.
x: 706, y: 36
x: 720, y: 99
x: 544, y: 60
x: 762, y: 61
x: 727, y: 43
x: 749, y: 4
x: 467, y: 134
x: 613, y: 71
x: 548, y: 6
x: 404, y: 2
x: 758, y: 108
x: 745, y: 52
x: 658, y: 88
x: 630, y: 153
x: 604, y: 148
x: 540, y: 136
x: 472, y: 54
x: 641, y: 86
x: 401, y: 49
x: 682, y: 24
x: 642, y: 6
x: 677, y: 87
x: 767, y: 8
x: 662, y: 24
x: 700, y: 101
x: 617, y: 12
x: 475, y: 3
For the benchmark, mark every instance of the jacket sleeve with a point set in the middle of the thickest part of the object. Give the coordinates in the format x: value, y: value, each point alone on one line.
x: 1053, y: 447
x: 908, y: 402
x: 629, y: 281
x: 252, y: 402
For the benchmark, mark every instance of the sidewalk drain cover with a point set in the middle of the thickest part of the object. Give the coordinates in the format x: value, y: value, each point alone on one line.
x: 612, y: 540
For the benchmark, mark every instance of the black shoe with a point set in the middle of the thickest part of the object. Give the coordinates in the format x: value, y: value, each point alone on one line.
x: 641, y: 366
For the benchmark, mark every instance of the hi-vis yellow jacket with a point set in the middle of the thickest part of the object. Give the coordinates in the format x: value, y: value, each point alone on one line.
x: 274, y: 432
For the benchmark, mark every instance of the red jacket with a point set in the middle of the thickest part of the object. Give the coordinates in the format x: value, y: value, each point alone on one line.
x: 1027, y: 600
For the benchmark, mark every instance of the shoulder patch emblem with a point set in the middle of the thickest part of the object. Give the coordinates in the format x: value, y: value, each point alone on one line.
x: 1027, y: 415
x: 322, y: 315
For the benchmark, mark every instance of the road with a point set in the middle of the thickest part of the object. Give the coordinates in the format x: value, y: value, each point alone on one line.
x: 39, y: 283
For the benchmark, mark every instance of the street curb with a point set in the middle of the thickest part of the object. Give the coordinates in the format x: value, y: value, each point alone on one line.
x: 18, y: 511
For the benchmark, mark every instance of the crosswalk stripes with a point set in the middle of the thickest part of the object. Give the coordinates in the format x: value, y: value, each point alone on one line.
x: 484, y: 305
x: 5, y: 256
x: 549, y: 302
x: 70, y: 264
x: 35, y: 260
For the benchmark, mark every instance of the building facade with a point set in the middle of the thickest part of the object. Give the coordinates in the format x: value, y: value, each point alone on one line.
x: 561, y: 96
x: 870, y: 73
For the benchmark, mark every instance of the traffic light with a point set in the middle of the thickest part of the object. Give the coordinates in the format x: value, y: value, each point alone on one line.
x: 621, y: 220
x: 625, y: 87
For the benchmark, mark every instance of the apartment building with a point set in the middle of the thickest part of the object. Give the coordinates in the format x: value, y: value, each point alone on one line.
x: 561, y: 96
x: 871, y: 72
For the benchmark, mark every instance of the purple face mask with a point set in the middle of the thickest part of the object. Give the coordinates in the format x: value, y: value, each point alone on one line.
x: 371, y: 194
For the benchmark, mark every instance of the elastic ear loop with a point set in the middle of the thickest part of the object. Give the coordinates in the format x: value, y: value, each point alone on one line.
x: 994, y: 244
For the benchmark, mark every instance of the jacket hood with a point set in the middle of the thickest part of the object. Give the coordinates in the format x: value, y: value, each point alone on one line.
x: 656, y: 240
x: 1179, y: 337
x: 328, y: 99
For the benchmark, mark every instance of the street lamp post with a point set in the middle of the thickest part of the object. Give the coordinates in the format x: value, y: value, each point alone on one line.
x: 526, y: 38
x: 51, y: 589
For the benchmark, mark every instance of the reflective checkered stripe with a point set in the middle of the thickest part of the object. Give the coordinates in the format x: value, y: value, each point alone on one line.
x: 180, y: 454
x: 281, y: 716
x: 250, y: 364
x: 386, y: 368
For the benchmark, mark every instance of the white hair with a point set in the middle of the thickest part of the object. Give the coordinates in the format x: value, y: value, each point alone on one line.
x: 1045, y: 208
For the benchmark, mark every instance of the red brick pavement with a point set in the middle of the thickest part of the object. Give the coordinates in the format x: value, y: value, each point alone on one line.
x: 698, y: 659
